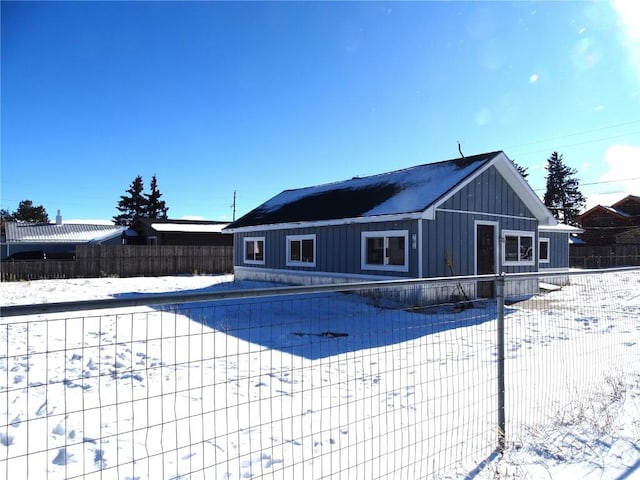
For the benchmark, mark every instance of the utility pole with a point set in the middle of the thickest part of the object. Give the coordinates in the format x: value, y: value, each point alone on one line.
x: 233, y: 206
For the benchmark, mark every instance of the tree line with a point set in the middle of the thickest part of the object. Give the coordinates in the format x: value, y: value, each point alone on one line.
x: 135, y: 203
x: 562, y: 197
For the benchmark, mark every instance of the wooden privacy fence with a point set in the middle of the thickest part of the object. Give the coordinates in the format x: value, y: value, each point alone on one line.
x: 125, y: 261
x: 592, y: 256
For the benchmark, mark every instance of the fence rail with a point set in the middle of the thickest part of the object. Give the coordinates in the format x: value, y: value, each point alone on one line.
x: 333, y: 381
x: 94, y: 261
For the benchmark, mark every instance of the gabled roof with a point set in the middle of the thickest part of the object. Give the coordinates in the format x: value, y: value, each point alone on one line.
x: 604, y: 209
x: 19, y: 232
x: 628, y: 198
x: 410, y: 192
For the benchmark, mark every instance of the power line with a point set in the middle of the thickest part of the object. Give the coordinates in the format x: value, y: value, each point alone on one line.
x: 598, y: 183
x: 579, y: 143
x: 612, y: 181
x: 575, y: 134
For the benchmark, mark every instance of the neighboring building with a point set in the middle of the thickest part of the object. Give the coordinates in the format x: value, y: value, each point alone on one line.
x: 472, y: 215
x: 612, y: 225
x: 631, y: 236
x: 149, y: 231
x: 55, y: 240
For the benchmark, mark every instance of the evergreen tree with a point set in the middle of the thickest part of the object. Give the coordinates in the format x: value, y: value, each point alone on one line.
x: 522, y: 170
x: 156, y: 208
x: 132, y: 205
x: 5, y: 217
x: 27, y: 212
x: 562, y: 197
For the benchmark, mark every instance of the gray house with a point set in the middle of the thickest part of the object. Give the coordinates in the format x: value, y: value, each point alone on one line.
x: 471, y: 215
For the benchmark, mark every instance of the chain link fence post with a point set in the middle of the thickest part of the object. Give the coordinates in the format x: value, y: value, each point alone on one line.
x: 500, y: 282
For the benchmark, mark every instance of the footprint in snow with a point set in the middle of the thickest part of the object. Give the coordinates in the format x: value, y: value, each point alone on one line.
x: 91, y: 365
x: 98, y: 459
x: 268, y: 461
x: 42, y: 410
x: 62, y: 458
x: 16, y: 421
x: 6, y: 439
x: 58, y: 430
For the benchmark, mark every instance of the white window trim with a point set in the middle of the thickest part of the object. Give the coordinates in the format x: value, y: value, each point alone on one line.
x: 292, y: 263
x: 244, y: 250
x: 518, y: 233
x: 548, y: 259
x: 385, y: 234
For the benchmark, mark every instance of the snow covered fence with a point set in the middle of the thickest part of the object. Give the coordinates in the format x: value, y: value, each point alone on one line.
x: 239, y: 380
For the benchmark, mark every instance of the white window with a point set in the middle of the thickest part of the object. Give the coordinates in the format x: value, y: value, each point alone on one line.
x: 254, y: 250
x: 386, y: 250
x: 517, y: 248
x: 301, y: 250
x: 543, y: 250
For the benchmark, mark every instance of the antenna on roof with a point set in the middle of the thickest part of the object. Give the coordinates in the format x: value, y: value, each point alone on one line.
x: 460, y: 149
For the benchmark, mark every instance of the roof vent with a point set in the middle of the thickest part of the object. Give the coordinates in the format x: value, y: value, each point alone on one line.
x: 58, y: 218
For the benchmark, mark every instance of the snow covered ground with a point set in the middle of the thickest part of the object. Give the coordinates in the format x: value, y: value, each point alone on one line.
x: 327, y: 385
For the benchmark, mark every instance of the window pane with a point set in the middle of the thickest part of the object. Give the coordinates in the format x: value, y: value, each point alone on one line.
x: 511, y: 249
x: 248, y: 252
x: 375, y: 250
x: 307, y: 251
x: 294, y: 250
x: 526, y: 248
x: 544, y: 250
x: 258, y: 250
x: 396, y: 251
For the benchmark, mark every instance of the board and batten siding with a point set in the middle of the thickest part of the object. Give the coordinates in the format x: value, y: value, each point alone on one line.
x: 453, y: 234
x: 488, y: 193
x: 558, y: 250
x: 338, y: 248
x: 488, y: 198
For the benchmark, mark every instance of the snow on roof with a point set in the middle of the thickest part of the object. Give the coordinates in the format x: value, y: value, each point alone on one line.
x: 405, y: 191
x: 89, y: 222
x: 573, y: 240
x: 189, y: 227
x: 18, y: 232
x: 560, y: 227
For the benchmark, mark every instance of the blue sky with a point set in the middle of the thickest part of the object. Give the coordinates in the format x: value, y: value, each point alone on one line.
x: 217, y: 97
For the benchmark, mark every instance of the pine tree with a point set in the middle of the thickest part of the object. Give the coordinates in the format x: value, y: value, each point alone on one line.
x: 156, y: 208
x: 27, y: 212
x: 5, y: 217
x: 562, y: 197
x: 132, y: 205
x: 521, y: 170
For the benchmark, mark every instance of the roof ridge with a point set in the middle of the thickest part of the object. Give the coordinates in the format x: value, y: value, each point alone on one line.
x: 470, y: 159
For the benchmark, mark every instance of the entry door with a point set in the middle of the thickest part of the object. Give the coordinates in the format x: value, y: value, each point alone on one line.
x: 485, y: 257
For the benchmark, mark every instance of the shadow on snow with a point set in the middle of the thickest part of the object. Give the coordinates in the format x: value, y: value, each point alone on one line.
x: 315, y: 326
